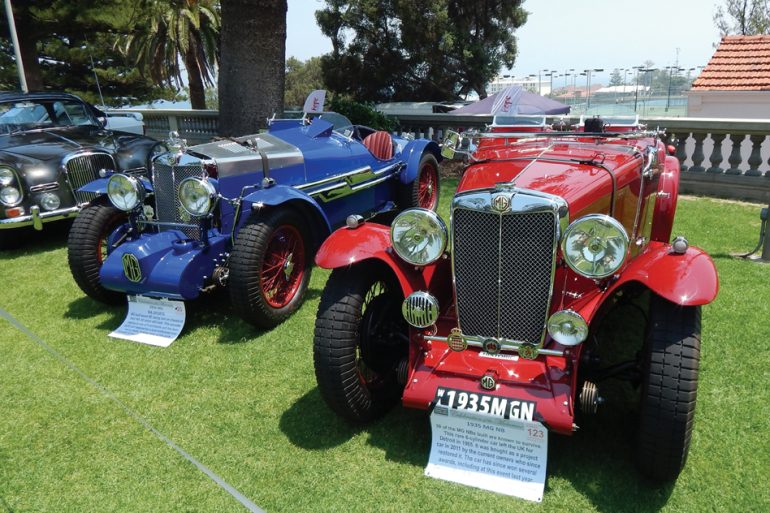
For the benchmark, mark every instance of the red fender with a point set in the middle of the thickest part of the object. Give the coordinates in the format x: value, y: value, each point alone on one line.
x: 688, y: 280
x: 665, y: 202
x: 346, y: 247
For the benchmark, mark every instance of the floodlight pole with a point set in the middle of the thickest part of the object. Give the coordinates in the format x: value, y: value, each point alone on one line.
x: 16, y: 49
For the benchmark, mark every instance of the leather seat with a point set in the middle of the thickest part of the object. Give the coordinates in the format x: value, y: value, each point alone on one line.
x: 380, y: 144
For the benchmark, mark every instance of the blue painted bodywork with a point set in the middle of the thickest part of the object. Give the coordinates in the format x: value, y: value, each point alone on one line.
x: 323, y: 172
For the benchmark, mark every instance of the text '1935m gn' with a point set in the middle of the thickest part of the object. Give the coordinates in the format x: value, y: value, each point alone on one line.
x: 552, y: 234
x: 247, y: 213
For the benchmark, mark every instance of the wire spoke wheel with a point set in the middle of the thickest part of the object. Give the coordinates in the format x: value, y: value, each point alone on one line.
x: 270, y: 267
x: 427, y: 186
x: 283, y: 266
x: 360, y: 338
x: 423, y: 191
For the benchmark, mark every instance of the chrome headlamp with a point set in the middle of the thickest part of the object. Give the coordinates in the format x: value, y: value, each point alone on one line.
x: 419, y: 236
x: 595, y: 246
x: 568, y: 328
x: 10, y: 196
x: 197, y: 196
x: 7, y: 176
x: 125, y: 192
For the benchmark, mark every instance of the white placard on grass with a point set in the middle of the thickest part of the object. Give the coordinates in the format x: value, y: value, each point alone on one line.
x: 488, y: 452
x: 157, y: 322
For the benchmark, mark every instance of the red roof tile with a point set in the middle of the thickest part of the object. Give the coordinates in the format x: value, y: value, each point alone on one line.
x: 740, y: 63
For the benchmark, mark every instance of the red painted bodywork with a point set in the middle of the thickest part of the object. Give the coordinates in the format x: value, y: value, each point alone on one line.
x: 578, y: 169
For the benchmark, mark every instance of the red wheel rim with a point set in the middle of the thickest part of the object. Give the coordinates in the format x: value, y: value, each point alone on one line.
x: 283, y: 266
x: 427, y: 188
x: 101, y: 249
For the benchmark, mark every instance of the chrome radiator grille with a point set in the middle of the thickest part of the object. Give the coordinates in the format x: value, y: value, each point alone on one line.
x: 168, y: 209
x: 503, y: 268
x: 83, y: 169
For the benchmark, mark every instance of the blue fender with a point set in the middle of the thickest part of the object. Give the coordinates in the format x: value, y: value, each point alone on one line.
x: 99, y: 186
x: 170, y: 265
x: 413, y: 152
x: 279, y: 195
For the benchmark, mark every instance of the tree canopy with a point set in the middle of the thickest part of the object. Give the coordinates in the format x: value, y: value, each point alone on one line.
x: 743, y: 17
x: 58, y: 40
x: 390, y: 50
x: 301, y: 78
x: 174, y: 30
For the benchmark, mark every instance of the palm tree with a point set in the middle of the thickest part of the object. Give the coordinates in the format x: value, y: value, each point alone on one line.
x: 186, y: 30
x: 253, y: 65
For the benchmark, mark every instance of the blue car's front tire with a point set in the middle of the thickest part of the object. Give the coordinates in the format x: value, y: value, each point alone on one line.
x: 270, y: 267
x: 87, y: 249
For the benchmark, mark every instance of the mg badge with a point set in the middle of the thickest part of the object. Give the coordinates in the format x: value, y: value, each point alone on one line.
x: 455, y: 340
x: 131, y: 268
x: 501, y: 203
x: 491, y: 346
x: 528, y: 351
x: 488, y: 382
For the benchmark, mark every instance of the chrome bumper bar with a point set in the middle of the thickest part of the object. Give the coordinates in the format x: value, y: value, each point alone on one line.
x: 505, y: 345
x: 37, y: 218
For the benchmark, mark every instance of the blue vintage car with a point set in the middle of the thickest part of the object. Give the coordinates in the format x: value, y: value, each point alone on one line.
x: 244, y: 213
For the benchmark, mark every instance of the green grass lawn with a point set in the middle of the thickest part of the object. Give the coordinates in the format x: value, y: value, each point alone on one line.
x: 245, y: 404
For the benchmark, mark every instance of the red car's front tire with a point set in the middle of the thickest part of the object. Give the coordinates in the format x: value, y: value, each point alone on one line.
x: 360, y: 339
x: 670, y: 364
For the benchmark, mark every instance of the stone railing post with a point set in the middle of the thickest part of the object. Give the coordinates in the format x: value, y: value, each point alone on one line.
x: 697, y: 155
x: 755, y: 159
x: 716, y: 154
x: 681, y: 148
x: 735, y: 158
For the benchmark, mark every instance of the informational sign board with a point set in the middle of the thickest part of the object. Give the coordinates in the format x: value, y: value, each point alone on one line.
x: 157, y: 322
x: 490, y: 452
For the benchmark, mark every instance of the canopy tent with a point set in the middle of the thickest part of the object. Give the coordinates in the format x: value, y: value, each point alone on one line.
x: 529, y: 103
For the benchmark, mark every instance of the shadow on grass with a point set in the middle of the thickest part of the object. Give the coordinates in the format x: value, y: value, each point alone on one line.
x: 25, y: 241
x: 403, y: 434
x: 597, y: 461
x: 85, y: 308
x: 326, y: 430
x: 210, y: 309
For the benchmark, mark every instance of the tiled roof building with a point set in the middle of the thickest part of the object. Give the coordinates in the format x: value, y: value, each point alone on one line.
x: 736, y: 81
x: 740, y: 63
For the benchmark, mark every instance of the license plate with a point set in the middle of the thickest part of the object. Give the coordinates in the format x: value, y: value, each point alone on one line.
x: 503, y: 407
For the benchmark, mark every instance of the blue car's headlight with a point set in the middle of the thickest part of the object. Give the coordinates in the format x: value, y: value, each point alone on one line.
x: 197, y: 196
x: 125, y: 192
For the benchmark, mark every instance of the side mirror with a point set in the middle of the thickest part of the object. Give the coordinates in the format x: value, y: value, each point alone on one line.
x: 451, y: 142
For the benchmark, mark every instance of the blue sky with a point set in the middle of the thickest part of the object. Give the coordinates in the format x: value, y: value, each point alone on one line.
x: 562, y: 34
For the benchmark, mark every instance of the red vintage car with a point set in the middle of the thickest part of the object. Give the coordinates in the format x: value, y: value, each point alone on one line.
x: 503, y: 312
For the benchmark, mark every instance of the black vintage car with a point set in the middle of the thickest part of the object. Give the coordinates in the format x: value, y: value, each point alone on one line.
x: 51, y: 144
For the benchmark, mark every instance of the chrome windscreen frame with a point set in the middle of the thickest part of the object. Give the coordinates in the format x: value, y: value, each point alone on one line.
x: 521, y: 201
